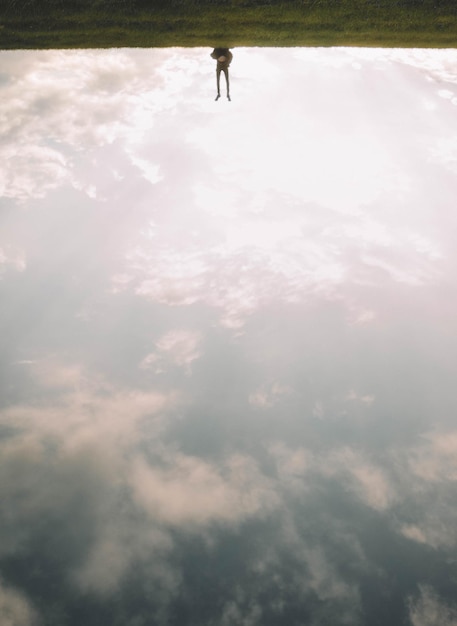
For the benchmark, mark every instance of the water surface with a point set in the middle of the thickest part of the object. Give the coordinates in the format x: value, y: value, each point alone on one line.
x: 228, y: 353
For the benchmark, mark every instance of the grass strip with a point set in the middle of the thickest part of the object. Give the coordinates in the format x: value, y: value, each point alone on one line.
x: 156, y: 23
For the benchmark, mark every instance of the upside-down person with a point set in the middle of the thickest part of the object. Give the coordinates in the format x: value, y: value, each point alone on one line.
x: 224, y: 58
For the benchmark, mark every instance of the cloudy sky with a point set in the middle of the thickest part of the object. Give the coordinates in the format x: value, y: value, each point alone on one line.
x: 228, y: 338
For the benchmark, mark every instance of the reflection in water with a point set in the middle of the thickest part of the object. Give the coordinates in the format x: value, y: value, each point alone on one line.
x: 224, y: 58
x: 227, y: 390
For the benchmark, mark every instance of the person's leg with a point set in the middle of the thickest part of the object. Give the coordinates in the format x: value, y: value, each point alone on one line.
x: 226, y: 72
x: 218, y: 82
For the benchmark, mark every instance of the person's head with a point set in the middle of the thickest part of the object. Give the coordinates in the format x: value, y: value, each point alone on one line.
x: 222, y: 59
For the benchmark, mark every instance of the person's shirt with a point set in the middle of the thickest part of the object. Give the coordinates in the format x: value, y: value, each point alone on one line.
x: 223, y: 56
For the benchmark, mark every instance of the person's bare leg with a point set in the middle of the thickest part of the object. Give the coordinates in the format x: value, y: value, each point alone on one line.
x: 226, y: 72
x: 218, y: 82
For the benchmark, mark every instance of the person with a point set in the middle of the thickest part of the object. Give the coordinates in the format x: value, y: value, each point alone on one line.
x: 223, y: 57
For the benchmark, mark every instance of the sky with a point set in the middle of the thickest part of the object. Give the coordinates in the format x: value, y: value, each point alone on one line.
x: 228, y: 350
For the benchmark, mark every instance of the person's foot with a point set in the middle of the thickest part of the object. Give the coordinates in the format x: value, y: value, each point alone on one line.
x: 228, y: 98
x: 217, y: 97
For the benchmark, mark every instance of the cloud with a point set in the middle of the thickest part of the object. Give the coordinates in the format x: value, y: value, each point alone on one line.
x: 11, y: 257
x: 121, y: 545
x: 33, y: 171
x: 106, y: 449
x: 69, y: 459
x: 430, y: 610
x: 66, y: 101
x: 328, y: 235
x: 241, y: 611
x: 434, y: 459
x: 268, y: 395
x: 444, y: 151
x: 178, y: 348
x: 239, y: 278
x: 413, y: 532
x: 369, y: 481
x: 90, y: 415
x: 235, y: 391
x: 324, y: 579
x: 302, y: 562
x: 192, y: 493
x: 365, y: 479
x: 15, y: 609
x: 426, y: 475
x: 366, y: 399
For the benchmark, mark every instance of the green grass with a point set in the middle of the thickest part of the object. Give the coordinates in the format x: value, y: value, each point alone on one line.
x: 156, y: 23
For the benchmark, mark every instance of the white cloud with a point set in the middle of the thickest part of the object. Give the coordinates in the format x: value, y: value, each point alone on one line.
x: 67, y: 101
x: 244, y: 262
x: 81, y: 430
x: 325, y: 581
x: 366, y: 399
x: 32, y: 171
x: 93, y: 414
x: 12, y: 257
x: 15, y: 609
x: 119, y: 545
x: 108, y: 446
x: 365, y: 479
x: 345, y: 208
x: 443, y: 150
x: 434, y: 460
x: 317, y: 573
x: 372, y: 486
x: 429, y: 610
x: 241, y: 262
x: 426, y: 474
x: 413, y: 532
x: 267, y: 396
x: 192, y: 493
x: 241, y: 612
x: 177, y: 347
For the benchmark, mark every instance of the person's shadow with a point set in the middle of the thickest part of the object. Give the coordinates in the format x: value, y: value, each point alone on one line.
x: 224, y: 57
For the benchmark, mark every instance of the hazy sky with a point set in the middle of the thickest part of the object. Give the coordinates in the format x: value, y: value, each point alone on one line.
x: 228, y: 338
